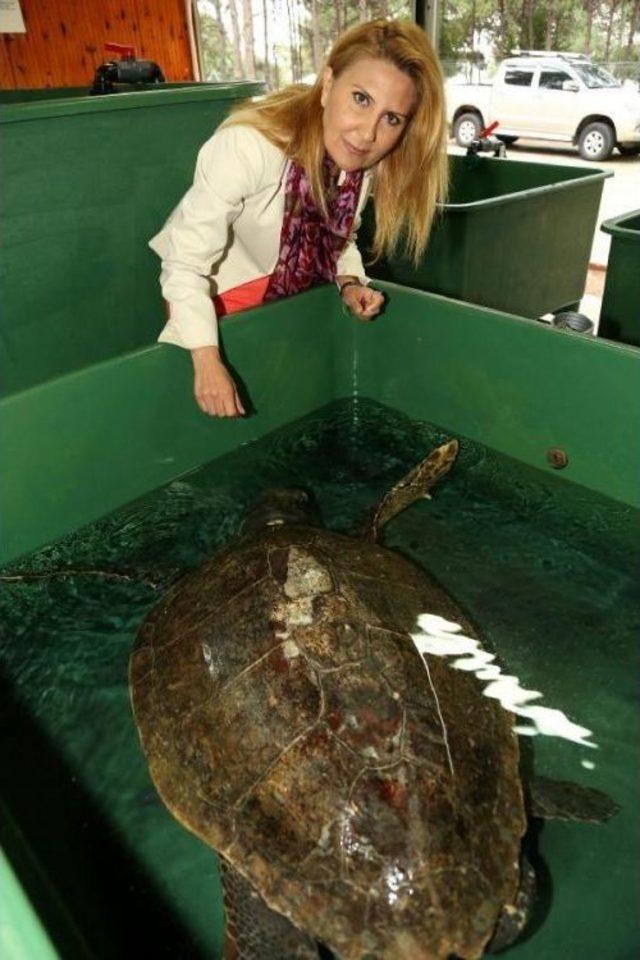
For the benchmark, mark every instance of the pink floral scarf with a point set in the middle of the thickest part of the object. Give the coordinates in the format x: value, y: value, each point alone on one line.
x: 310, y: 246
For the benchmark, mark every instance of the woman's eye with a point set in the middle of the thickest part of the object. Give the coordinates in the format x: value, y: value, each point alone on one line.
x: 360, y: 98
x: 393, y: 119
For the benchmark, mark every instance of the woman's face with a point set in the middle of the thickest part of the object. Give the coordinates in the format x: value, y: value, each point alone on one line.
x: 366, y: 110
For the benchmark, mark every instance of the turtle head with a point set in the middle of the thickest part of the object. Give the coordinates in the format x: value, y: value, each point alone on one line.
x: 279, y: 506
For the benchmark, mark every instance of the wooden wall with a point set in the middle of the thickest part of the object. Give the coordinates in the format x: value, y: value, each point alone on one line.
x: 64, y: 42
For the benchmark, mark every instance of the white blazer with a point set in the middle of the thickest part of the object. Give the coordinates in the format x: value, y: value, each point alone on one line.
x: 226, y: 231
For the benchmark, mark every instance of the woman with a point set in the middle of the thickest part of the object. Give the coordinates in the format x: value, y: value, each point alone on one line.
x: 279, y: 189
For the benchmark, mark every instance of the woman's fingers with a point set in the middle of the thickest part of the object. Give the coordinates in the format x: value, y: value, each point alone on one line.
x: 363, y: 302
x: 215, y: 391
x: 372, y: 305
x: 240, y: 410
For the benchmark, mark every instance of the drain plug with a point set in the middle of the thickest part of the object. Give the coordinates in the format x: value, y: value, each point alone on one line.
x: 557, y: 458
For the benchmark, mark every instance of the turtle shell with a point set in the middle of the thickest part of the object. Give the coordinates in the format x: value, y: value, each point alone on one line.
x: 371, y: 797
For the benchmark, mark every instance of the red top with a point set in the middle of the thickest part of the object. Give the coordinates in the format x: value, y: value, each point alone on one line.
x: 244, y: 297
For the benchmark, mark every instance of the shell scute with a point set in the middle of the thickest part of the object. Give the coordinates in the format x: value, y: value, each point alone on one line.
x: 363, y: 715
x: 294, y: 812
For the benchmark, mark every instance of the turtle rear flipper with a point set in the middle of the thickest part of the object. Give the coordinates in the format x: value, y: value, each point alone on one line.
x: 254, y: 931
x: 564, y: 800
x: 515, y: 916
x: 413, y: 486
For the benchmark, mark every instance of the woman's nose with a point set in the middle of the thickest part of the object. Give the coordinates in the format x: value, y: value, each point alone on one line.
x: 368, y: 132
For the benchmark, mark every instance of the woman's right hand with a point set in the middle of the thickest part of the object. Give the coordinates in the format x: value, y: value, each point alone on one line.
x: 214, y: 387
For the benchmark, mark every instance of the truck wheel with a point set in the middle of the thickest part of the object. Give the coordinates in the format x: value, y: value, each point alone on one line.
x: 596, y: 141
x: 466, y: 128
x: 631, y: 151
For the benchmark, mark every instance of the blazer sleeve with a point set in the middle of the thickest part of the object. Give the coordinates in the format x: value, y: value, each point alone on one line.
x: 229, y: 168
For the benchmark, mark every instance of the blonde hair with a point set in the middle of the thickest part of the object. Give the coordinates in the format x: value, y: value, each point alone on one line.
x: 409, y: 181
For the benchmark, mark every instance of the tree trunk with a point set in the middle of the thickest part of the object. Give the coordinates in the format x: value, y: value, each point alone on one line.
x: 292, y: 43
x: 238, y: 64
x: 590, y: 15
x: 612, y: 11
x: 502, y: 41
x: 316, y: 42
x: 548, y: 39
x: 621, y: 25
x: 267, y: 62
x: 223, y: 37
x: 297, y: 44
x: 247, y: 32
x: 633, y: 26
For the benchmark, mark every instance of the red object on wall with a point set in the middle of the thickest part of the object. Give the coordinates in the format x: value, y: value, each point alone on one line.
x: 125, y: 52
x: 65, y: 40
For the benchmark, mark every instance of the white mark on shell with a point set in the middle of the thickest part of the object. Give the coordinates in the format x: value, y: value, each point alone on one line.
x: 306, y: 579
x: 290, y: 650
x: 207, y: 656
x: 397, y: 882
x: 298, y: 613
x: 305, y: 576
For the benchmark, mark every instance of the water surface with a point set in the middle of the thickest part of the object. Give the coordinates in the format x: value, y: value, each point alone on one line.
x: 545, y: 569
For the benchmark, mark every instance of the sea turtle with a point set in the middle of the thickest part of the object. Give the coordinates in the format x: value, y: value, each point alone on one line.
x: 358, y: 795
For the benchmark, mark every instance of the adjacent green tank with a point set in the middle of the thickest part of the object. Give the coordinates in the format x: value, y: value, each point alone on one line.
x: 86, y: 181
x: 512, y: 235
x: 620, y: 312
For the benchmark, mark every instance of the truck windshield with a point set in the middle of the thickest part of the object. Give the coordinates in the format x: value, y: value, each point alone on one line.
x: 594, y: 76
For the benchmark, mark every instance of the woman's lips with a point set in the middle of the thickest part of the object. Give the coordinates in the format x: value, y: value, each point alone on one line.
x: 354, y: 150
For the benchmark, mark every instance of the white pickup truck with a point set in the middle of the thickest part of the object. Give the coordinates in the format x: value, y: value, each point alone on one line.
x: 550, y: 97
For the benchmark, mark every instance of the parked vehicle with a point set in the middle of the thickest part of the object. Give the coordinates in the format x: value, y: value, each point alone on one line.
x: 550, y: 97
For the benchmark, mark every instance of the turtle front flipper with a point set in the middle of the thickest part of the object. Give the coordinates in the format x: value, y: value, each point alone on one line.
x: 415, y: 485
x: 564, y: 800
x: 253, y: 930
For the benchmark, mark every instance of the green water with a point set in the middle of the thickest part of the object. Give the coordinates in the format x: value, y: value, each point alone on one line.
x: 545, y: 569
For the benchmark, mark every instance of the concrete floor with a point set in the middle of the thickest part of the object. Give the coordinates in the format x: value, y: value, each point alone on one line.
x: 621, y: 194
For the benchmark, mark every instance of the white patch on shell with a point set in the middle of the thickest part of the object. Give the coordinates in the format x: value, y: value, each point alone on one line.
x: 325, y: 837
x: 398, y: 885
x: 351, y: 843
x: 290, y: 650
x: 298, y: 613
x: 207, y: 656
x: 305, y: 576
x: 306, y: 579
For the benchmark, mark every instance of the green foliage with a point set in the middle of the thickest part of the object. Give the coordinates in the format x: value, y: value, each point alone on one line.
x: 300, y: 32
x: 605, y: 28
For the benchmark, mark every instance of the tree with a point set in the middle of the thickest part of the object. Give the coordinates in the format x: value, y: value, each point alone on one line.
x: 247, y: 34
x: 238, y: 64
x: 634, y: 25
x: 238, y: 41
